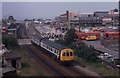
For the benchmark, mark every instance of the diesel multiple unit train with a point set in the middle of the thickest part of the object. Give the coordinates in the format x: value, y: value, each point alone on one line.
x: 61, y: 53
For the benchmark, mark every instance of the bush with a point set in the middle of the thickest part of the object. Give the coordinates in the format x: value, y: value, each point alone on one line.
x: 25, y: 65
x: 84, y: 52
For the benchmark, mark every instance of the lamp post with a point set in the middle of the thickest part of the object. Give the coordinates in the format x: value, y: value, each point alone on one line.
x: 79, y: 24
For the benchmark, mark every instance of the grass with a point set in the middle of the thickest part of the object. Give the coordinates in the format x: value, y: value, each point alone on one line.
x: 29, y: 66
x: 98, y: 67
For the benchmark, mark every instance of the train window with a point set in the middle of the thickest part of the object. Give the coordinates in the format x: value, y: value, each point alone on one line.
x: 67, y: 53
x: 57, y: 52
x: 63, y: 54
x: 70, y: 53
x: 47, y: 47
x: 44, y: 45
x: 51, y: 49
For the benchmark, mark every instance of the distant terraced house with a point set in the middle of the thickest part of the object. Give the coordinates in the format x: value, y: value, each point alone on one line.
x: 12, y: 29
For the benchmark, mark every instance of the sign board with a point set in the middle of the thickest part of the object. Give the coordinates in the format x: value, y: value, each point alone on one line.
x: 107, y: 19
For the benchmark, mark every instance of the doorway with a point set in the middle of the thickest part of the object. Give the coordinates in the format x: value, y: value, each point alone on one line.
x: 14, y: 63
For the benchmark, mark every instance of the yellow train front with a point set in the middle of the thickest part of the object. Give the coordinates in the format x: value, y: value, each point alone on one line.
x: 66, y: 55
x: 59, y: 52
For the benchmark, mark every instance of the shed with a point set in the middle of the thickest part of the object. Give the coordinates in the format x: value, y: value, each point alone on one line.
x: 12, y: 59
x: 9, y: 71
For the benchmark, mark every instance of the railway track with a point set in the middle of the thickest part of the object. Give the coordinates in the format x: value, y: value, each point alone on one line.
x: 55, y: 68
x: 51, y: 66
x: 41, y: 61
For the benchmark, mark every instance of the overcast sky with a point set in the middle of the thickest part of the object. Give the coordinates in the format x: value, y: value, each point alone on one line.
x: 22, y: 10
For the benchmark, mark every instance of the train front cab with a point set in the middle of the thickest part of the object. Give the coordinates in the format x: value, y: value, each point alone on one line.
x: 66, y: 55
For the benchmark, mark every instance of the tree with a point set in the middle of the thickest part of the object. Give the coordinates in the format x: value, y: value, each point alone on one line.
x: 115, y: 10
x: 70, y: 36
x: 9, y: 41
x: 89, y: 15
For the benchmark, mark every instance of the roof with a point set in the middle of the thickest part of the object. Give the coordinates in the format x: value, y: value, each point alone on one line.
x: 48, y: 42
x: 87, y: 32
x: 113, y: 32
x: 11, y: 55
x: 12, y: 26
x: 53, y: 44
x: 101, y: 12
x: 43, y: 29
x: 37, y: 36
x: 1, y: 45
x: 8, y: 69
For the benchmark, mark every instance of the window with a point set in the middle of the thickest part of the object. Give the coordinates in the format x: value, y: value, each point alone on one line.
x: 67, y: 53
x: 70, y: 53
x: 43, y: 45
x: 47, y: 47
x: 57, y: 52
x: 51, y: 49
x: 63, y: 54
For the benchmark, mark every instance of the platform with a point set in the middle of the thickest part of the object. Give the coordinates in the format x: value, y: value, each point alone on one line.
x: 24, y: 41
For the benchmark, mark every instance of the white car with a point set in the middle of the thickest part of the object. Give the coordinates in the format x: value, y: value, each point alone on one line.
x: 106, y: 54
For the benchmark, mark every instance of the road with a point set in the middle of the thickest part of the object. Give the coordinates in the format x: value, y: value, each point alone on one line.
x: 21, y: 33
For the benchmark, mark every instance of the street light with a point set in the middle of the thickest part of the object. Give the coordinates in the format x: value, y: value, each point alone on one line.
x: 79, y: 24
